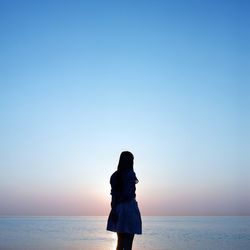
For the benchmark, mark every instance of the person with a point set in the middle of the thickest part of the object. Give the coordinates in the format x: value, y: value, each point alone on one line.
x: 124, y: 217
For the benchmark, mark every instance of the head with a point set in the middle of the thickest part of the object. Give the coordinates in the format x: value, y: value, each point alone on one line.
x: 126, y: 161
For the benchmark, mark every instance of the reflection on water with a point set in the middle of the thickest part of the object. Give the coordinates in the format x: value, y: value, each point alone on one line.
x: 159, y: 233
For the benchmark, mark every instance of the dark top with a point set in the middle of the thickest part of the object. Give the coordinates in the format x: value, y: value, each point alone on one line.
x: 122, y: 186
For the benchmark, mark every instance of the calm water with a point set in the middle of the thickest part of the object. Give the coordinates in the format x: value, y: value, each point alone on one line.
x: 159, y: 233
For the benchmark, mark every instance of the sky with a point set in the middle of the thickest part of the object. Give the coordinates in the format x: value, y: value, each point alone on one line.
x: 81, y: 81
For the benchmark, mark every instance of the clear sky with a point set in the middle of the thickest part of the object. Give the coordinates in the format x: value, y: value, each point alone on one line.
x: 81, y: 81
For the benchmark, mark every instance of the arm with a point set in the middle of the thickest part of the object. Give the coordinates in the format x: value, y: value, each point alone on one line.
x: 129, y: 186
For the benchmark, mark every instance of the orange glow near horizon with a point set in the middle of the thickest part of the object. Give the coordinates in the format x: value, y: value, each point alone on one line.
x: 93, y: 203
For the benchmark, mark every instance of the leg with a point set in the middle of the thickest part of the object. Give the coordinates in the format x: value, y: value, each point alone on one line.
x: 120, y: 241
x: 128, y: 241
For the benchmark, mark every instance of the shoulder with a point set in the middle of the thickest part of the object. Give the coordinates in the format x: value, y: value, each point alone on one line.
x: 132, y: 176
x: 131, y: 173
x: 113, y: 176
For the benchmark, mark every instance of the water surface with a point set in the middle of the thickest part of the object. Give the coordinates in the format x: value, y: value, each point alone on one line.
x: 159, y: 233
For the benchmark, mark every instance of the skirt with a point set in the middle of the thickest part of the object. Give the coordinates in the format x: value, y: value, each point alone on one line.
x: 125, y: 218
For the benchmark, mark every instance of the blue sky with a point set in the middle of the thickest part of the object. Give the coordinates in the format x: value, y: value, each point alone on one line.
x: 80, y: 81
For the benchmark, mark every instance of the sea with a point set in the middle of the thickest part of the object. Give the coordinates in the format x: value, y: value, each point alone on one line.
x: 159, y: 233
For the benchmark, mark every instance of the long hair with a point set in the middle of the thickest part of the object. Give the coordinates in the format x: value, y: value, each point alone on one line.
x: 126, y: 161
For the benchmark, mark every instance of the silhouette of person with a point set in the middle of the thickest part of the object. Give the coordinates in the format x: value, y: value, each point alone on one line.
x: 124, y: 217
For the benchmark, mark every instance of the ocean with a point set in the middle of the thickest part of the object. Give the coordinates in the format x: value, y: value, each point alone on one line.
x: 159, y: 233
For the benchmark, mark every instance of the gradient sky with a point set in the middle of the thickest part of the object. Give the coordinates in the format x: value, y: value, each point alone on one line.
x: 81, y: 81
